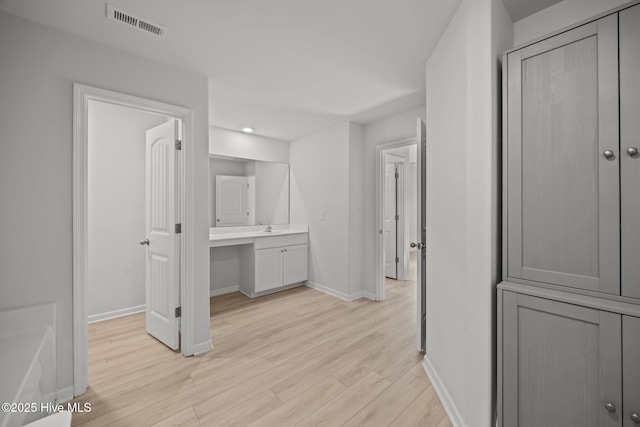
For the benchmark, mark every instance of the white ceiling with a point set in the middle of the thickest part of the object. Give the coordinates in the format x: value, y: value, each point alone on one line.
x: 287, y: 68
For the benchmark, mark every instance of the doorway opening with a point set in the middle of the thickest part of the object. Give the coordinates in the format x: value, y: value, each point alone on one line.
x: 130, y: 218
x: 398, y: 211
x: 400, y: 215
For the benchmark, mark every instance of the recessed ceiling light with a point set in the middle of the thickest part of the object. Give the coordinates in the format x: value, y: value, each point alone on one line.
x: 247, y: 130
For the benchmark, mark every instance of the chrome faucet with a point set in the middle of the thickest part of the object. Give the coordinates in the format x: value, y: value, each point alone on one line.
x: 268, y: 230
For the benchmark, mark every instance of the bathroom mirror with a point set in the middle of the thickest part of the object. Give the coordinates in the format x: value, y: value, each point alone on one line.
x: 247, y: 192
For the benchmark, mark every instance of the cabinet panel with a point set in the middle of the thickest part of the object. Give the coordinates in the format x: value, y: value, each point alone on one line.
x: 268, y: 271
x: 631, y: 368
x: 561, y: 364
x: 630, y: 138
x: 563, y: 210
x: 295, y: 264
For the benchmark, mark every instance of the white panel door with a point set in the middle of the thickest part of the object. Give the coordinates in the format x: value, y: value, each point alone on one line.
x: 421, y: 280
x: 296, y: 268
x: 163, y: 244
x: 391, y: 217
x: 231, y: 200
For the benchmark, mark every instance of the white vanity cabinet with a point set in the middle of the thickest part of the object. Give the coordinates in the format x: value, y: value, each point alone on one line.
x: 272, y: 263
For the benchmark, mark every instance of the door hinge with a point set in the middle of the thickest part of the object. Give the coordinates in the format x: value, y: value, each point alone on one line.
x: 397, y: 217
x: 397, y: 175
x: 178, y: 145
x: 397, y: 260
x: 178, y: 228
x: 178, y: 311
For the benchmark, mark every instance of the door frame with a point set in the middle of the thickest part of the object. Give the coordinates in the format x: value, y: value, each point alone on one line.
x: 82, y: 94
x: 380, y: 172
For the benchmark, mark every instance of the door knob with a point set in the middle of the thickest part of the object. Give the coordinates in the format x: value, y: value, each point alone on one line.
x: 144, y: 242
x: 635, y: 418
x: 632, y: 151
x: 610, y: 407
x: 416, y: 245
x: 608, y: 154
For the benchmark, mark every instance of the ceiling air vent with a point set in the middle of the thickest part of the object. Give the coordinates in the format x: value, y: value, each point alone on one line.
x: 120, y: 15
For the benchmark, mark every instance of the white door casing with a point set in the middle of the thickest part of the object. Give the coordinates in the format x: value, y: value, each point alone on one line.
x: 163, y: 246
x: 231, y: 200
x: 421, y: 280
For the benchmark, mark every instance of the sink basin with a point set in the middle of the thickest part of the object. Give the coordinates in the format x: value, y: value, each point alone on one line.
x: 271, y: 232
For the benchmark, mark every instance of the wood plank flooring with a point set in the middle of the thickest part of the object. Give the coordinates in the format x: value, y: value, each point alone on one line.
x: 297, y: 357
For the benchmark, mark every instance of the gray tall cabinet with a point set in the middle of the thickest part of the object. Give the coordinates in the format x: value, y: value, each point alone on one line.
x: 569, y: 304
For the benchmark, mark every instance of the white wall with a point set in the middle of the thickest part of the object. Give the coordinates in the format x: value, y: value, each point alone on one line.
x: 463, y: 258
x: 390, y: 129
x: 356, y: 210
x: 559, y: 16
x: 226, y: 142
x: 116, y: 206
x: 320, y: 183
x: 37, y: 71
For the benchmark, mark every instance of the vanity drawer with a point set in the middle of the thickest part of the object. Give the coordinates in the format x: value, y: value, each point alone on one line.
x: 279, y: 241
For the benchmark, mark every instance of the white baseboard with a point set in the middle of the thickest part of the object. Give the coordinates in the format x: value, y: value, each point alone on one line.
x: 370, y: 295
x: 448, y: 403
x: 202, y: 347
x: 65, y: 394
x: 116, y: 313
x: 227, y: 290
x: 334, y: 293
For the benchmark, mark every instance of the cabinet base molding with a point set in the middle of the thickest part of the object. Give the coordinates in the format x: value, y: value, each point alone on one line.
x: 270, y: 291
x: 447, y: 402
x: 334, y: 293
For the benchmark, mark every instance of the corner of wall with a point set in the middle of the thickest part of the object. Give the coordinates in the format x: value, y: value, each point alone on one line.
x: 356, y: 208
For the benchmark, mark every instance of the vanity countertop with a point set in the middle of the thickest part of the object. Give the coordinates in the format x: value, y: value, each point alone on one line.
x: 228, y: 237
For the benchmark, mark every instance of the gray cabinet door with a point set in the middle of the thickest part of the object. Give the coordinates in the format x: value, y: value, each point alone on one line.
x: 631, y: 369
x: 561, y: 364
x: 630, y: 139
x: 563, y: 214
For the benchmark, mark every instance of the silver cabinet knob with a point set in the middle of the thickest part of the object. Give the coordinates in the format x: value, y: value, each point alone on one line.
x: 144, y: 242
x: 610, y: 407
x: 635, y: 418
x: 608, y: 154
x: 632, y: 151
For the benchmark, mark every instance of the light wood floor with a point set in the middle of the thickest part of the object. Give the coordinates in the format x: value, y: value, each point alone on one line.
x: 298, y: 357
